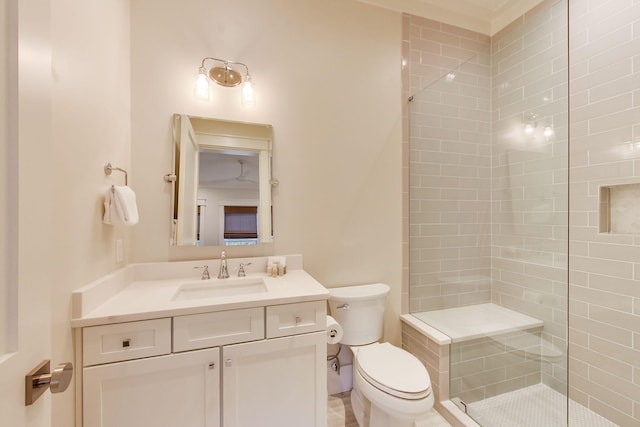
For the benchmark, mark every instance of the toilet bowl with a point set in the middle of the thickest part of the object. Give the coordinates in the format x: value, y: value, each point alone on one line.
x: 391, y: 387
x: 393, y: 382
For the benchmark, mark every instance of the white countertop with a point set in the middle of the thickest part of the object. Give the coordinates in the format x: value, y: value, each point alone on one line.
x: 115, y: 302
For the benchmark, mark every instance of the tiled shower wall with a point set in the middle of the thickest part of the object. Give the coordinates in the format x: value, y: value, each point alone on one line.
x: 450, y: 165
x: 489, y: 205
x: 605, y: 151
x: 529, y: 174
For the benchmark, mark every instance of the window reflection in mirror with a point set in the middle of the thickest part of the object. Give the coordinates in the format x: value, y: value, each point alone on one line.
x: 222, y: 194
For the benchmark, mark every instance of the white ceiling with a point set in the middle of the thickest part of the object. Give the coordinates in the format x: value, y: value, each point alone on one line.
x: 483, y: 16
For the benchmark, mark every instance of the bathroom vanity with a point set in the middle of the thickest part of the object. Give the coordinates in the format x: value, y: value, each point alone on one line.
x: 160, y: 347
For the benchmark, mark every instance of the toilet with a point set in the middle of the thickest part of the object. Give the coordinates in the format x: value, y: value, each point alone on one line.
x: 391, y: 387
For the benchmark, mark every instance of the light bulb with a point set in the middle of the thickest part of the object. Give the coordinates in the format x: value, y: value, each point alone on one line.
x: 548, y: 132
x: 248, y: 94
x: 201, y: 88
x: 529, y: 129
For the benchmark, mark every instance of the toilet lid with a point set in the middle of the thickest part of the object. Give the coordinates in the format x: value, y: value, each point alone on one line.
x: 394, y: 371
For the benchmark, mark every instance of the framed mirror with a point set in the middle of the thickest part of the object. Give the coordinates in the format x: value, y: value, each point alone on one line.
x: 222, y: 189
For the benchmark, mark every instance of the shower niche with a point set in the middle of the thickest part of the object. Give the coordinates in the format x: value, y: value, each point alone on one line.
x: 619, y: 209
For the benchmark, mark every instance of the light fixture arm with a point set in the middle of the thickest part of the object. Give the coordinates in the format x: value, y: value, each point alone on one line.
x: 225, y: 75
x: 225, y: 62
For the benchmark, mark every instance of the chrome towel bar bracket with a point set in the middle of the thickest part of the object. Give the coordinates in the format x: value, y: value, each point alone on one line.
x: 108, y: 169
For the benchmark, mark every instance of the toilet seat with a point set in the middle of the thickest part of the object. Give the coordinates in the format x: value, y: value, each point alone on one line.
x: 393, y: 371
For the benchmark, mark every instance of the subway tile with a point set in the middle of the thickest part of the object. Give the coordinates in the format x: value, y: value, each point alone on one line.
x: 618, y: 119
x: 616, y: 334
x: 620, y: 53
x: 614, y: 252
x: 462, y: 32
x: 602, y: 171
x: 601, y: 108
x: 601, y: 266
x: 617, y: 285
x: 614, y: 415
x: 615, y: 318
x: 615, y: 87
x: 612, y: 72
x: 600, y: 45
x: 613, y: 399
x: 613, y: 17
x: 603, y: 299
x: 613, y: 383
x: 615, y: 351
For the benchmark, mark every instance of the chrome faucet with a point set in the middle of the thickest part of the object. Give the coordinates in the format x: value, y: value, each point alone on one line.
x: 223, y: 273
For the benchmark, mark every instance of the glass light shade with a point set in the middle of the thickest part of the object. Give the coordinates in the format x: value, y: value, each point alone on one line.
x: 529, y: 129
x: 248, y: 94
x: 201, y: 88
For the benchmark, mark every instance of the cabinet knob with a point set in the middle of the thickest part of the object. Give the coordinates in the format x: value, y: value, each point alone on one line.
x: 212, y: 365
x: 126, y: 343
x: 228, y: 362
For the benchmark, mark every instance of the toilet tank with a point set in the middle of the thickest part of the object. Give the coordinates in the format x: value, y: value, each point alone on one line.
x: 360, y: 312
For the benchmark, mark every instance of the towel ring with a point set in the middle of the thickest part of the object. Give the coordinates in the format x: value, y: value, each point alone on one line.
x: 108, y: 169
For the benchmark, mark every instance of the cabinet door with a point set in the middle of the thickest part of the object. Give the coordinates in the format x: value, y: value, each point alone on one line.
x: 164, y: 391
x: 277, y: 382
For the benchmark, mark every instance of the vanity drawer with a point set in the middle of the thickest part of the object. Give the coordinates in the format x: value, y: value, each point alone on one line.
x: 214, y: 329
x: 299, y: 318
x: 125, y: 341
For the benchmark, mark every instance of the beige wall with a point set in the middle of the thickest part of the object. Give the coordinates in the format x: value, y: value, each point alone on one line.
x: 337, y: 141
x: 327, y: 77
x: 90, y: 116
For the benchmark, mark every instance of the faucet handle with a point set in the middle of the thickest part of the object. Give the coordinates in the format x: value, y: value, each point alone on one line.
x: 241, y: 272
x: 205, y: 272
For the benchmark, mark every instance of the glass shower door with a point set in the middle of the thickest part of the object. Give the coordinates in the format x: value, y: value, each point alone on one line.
x: 488, y: 154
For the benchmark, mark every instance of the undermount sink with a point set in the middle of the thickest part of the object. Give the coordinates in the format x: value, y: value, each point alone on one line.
x: 219, y: 288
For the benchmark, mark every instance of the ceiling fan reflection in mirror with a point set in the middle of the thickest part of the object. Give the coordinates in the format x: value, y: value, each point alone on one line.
x: 242, y: 178
x: 243, y: 174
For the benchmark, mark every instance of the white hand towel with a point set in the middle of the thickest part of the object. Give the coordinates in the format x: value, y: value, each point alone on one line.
x: 120, y: 206
x: 107, y: 217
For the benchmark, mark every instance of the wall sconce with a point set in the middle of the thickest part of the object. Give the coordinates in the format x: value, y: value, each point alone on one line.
x: 225, y: 73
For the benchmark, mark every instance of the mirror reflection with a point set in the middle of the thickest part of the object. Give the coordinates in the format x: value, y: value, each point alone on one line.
x: 222, y: 192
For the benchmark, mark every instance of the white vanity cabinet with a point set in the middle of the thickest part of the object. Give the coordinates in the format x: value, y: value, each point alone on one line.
x: 277, y: 382
x: 280, y: 381
x: 165, y: 391
x: 257, y: 366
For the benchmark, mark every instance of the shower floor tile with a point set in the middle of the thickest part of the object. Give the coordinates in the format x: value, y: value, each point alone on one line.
x: 533, y: 406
